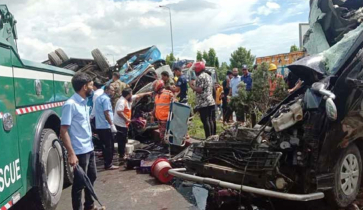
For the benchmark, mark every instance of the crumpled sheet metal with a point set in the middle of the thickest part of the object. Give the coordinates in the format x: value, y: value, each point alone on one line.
x: 329, y: 20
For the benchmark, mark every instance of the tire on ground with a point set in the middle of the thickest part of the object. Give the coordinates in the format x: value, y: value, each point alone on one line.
x: 62, y: 55
x: 54, y: 59
x: 68, y: 169
x: 336, y: 196
x: 100, y: 60
x: 50, y: 168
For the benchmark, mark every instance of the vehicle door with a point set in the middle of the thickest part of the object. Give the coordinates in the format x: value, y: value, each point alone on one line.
x: 10, y: 166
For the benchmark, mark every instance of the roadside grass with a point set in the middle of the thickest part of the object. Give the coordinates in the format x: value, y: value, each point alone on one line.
x: 196, y: 129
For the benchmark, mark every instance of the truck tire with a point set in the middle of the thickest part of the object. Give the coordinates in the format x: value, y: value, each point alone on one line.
x: 68, y: 169
x: 347, y: 178
x: 54, y: 59
x: 50, y: 165
x: 62, y: 55
x: 100, y: 60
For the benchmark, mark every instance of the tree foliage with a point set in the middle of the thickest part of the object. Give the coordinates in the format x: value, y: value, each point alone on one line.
x: 199, y: 56
x: 212, y: 55
x: 217, y: 62
x: 222, y: 71
x: 240, y: 57
x: 170, y: 59
x: 205, y: 56
x: 294, y: 48
x: 258, y: 99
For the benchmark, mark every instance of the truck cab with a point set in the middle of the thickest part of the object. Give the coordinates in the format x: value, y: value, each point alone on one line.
x: 31, y: 97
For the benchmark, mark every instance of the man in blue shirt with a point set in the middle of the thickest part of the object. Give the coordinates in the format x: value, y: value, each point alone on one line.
x: 77, y: 137
x: 105, y: 126
x: 181, y: 86
x: 246, y: 78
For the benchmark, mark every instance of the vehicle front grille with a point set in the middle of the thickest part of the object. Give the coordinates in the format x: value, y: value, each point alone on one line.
x: 239, y: 158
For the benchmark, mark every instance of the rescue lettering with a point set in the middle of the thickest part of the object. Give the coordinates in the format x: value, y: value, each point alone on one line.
x: 9, y: 174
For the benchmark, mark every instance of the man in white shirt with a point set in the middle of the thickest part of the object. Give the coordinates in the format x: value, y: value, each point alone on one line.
x: 122, y: 118
x: 97, y: 91
x: 233, y: 91
x: 234, y: 82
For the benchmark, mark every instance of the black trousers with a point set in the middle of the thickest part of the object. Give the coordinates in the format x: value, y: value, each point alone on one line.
x: 208, y: 117
x: 121, y: 138
x: 88, y: 164
x: 106, y: 138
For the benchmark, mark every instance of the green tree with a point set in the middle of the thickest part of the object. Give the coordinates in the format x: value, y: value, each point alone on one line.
x: 240, y: 57
x: 222, y: 71
x: 256, y: 100
x: 170, y: 59
x: 217, y: 62
x: 211, y: 57
x: 199, y: 56
x: 294, y: 48
x: 205, y: 56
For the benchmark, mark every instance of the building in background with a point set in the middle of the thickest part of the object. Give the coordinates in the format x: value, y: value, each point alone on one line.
x: 303, y: 28
x: 281, y: 60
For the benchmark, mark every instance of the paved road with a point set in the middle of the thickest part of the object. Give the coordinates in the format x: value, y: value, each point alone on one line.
x: 128, y: 190
x: 122, y: 189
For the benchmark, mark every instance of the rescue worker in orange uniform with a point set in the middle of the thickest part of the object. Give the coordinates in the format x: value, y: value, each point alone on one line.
x: 122, y: 118
x: 163, y: 98
x: 273, y: 78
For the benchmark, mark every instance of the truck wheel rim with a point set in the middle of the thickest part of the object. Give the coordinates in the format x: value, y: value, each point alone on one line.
x: 349, y: 174
x: 53, y: 170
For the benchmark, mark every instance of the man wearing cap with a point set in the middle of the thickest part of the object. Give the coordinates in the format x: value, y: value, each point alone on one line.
x: 246, y: 78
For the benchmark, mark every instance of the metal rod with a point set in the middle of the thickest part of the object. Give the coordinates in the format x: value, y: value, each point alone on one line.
x: 171, y: 34
x: 179, y: 172
x: 171, y: 30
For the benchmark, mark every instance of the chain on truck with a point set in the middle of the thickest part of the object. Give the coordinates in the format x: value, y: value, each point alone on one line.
x: 32, y: 94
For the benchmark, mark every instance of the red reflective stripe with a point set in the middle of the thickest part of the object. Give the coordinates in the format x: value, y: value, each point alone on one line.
x: 30, y: 109
x: 7, y: 206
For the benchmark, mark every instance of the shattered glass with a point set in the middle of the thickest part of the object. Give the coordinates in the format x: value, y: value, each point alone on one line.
x: 329, y: 21
x: 333, y: 56
x: 317, y: 42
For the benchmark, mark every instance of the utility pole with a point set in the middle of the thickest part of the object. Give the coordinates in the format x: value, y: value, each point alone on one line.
x: 171, y: 30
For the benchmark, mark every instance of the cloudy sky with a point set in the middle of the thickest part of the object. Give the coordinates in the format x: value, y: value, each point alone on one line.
x: 118, y: 27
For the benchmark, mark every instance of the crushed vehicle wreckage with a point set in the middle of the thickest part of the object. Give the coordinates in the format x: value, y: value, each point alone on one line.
x: 309, y: 146
x: 138, y: 69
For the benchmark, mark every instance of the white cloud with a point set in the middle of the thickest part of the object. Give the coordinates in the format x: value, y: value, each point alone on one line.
x: 120, y: 27
x: 269, y: 8
x: 272, y: 5
x: 265, y: 40
x: 151, y: 22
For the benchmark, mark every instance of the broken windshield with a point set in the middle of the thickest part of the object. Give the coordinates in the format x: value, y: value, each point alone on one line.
x: 334, y: 56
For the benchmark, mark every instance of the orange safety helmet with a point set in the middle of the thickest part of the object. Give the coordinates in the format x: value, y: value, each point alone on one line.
x: 158, y: 85
x: 199, y: 66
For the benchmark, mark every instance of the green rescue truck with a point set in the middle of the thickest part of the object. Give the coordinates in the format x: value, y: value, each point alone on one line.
x: 32, y: 158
